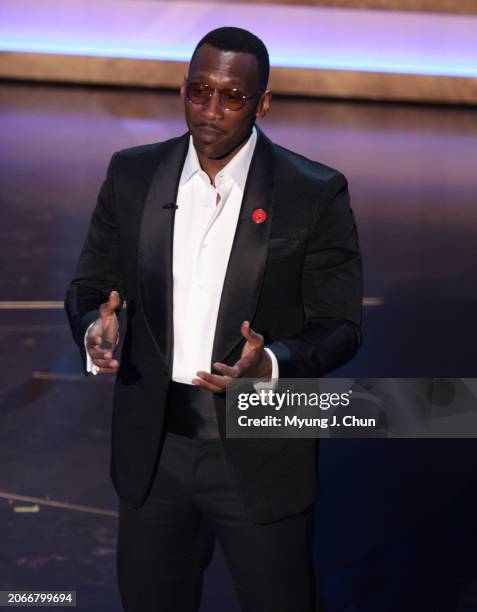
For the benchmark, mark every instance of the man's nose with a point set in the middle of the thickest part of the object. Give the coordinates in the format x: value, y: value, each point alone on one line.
x: 212, y: 108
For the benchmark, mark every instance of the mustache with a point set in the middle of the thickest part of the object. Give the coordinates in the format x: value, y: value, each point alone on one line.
x: 211, y: 126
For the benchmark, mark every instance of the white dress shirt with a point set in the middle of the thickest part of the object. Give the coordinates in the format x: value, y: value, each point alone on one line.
x: 204, y: 229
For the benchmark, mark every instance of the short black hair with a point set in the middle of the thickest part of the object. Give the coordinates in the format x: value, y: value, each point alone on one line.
x: 240, y: 41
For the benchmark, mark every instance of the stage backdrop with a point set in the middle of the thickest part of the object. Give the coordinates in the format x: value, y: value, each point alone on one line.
x: 374, y: 49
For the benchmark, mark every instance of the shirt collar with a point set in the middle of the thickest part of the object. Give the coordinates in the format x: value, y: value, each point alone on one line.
x: 237, y: 168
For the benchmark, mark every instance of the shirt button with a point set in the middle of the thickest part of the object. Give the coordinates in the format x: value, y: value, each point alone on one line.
x: 204, y: 246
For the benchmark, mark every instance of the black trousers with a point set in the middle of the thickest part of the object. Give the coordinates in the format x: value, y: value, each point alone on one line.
x: 165, y: 545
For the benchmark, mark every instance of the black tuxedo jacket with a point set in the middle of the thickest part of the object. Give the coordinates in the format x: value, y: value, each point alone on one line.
x: 296, y: 277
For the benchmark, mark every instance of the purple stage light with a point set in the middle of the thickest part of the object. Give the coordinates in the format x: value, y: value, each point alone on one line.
x: 297, y: 36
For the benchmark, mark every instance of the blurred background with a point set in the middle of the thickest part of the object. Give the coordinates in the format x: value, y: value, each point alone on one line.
x: 384, y: 90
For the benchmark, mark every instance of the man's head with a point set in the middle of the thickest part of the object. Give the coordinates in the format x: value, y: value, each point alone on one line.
x: 225, y: 90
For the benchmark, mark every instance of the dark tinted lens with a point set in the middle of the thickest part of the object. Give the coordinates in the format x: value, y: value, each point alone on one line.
x: 233, y: 99
x: 198, y: 93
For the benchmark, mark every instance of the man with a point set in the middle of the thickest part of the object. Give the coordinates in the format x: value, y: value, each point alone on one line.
x: 236, y: 258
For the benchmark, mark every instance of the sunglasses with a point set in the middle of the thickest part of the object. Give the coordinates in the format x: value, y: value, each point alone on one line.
x: 232, y: 99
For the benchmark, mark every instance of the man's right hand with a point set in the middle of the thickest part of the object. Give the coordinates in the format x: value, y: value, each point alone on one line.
x: 102, y: 336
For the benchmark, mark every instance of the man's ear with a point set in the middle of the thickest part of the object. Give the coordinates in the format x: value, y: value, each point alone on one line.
x: 263, y: 104
x: 182, y: 88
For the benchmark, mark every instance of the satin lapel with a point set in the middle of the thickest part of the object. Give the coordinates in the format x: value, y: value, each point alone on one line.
x: 155, y: 247
x: 243, y: 279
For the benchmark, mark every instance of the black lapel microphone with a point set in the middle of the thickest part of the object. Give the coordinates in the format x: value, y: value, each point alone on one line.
x: 170, y: 206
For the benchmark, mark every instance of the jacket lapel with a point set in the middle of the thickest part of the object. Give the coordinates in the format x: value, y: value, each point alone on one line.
x: 155, y: 246
x: 244, y: 275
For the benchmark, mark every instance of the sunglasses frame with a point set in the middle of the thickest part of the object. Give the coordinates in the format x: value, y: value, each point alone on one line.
x: 212, y: 90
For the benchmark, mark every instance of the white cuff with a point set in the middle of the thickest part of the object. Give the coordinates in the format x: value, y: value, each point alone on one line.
x: 90, y: 366
x: 273, y: 382
x: 273, y: 357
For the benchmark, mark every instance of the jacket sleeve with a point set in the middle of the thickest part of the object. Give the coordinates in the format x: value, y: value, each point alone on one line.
x: 331, y: 292
x: 98, y: 270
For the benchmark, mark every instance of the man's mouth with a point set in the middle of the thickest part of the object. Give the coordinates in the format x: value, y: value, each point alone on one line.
x: 208, y: 131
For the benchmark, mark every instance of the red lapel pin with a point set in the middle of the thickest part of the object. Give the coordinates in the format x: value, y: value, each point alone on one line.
x: 259, y: 215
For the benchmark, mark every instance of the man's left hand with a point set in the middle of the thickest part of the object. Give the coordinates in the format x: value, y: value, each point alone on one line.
x: 254, y: 362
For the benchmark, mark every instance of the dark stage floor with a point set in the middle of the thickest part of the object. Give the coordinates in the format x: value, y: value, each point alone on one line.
x: 396, y: 518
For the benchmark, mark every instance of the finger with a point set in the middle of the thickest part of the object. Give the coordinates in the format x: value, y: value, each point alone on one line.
x: 98, y: 353
x: 114, y: 299
x: 225, y: 370
x: 249, y: 334
x: 105, y: 310
x: 244, y: 364
x: 198, y: 382
x: 108, y: 308
x: 245, y: 329
x: 207, y: 386
x: 93, y: 341
x: 213, y: 382
x: 108, y: 370
x: 106, y: 363
x: 214, y: 379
